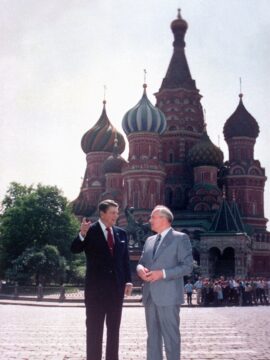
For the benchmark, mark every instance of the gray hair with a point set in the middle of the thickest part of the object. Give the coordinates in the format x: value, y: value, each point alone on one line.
x: 165, y: 212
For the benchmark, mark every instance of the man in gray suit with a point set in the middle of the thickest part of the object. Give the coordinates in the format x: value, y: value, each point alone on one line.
x: 166, y: 258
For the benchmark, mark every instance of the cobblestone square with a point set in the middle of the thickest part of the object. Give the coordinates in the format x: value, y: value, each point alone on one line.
x: 58, y: 333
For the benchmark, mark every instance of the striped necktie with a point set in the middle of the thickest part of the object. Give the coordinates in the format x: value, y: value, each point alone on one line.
x: 158, y: 238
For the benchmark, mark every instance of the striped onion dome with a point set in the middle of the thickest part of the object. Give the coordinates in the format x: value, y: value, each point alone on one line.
x: 144, y: 117
x: 102, y: 135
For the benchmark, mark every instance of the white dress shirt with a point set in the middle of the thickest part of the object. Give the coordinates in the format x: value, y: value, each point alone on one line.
x: 105, y: 232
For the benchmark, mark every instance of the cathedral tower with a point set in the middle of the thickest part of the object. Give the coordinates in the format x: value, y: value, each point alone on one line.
x: 245, y: 178
x: 179, y: 99
x: 98, y: 144
x: 144, y: 174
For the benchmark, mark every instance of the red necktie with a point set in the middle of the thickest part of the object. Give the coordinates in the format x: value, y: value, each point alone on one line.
x: 110, y: 240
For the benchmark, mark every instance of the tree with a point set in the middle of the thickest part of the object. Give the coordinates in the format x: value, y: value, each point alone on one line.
x: 31, y: 219
x: 43, y: 265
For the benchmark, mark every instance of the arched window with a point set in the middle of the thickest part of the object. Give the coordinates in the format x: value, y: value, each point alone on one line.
x: 238, y: 171
x: 254, y: 171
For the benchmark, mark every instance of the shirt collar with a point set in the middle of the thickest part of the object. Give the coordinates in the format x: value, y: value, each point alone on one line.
x: 103, y: 226
x: 165, y: 232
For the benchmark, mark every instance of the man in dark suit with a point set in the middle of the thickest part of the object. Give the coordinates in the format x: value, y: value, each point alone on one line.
x: 108, y: 278
x: 166, y: 258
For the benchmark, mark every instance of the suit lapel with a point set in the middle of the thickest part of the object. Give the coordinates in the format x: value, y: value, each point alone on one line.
x: 117, y: 240
x: 100, y: 232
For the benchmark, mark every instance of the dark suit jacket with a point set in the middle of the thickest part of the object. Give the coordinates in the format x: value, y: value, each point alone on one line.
x: 104, y: 273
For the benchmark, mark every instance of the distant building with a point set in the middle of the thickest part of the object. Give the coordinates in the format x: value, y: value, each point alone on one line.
x: 172, y: 161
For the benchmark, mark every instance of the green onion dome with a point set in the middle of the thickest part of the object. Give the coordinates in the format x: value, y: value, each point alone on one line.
x: 144, y: 117
x: 205, y: 153
x: 102, y: 135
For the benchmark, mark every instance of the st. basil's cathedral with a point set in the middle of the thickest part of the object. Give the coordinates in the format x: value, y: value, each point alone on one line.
x: 173, y: 161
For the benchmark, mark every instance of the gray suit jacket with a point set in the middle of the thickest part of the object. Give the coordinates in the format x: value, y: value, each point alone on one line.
x: 174, y: 255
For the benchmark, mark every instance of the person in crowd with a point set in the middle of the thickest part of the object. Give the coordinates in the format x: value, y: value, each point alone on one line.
x: 198, y: 287
x: 268, y: 289
x: 218, y: 293
x: 189, y: 292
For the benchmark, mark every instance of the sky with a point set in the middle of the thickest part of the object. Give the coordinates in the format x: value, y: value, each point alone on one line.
x: 56, y: 57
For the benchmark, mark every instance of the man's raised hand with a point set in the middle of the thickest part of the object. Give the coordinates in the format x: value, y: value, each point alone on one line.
x: 85, y: 225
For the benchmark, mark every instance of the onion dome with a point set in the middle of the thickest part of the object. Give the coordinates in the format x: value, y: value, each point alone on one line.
x: 241, y: 123
x: 178, y: 74
x: 144, y: 117
x: 101, y: 136
x: 205, y: 153
x: 179, y: 24
x: 115, y: 162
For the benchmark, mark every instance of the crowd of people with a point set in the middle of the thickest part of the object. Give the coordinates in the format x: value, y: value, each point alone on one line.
x: 230, y: 291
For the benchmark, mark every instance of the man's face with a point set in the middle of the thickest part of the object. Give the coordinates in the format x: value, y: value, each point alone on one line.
x: 109, y: 217
x: 158, y: 221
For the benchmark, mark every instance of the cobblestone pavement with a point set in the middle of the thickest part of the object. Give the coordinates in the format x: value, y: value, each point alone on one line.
x: 58, y: 333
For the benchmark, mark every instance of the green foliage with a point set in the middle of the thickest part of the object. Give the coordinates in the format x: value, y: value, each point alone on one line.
x: 16, y: 191
x: 43, y: 265
x: 76, y: 271
x: 31, y: 219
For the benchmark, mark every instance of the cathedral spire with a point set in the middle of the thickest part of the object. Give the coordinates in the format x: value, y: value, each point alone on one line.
x: 178, y: 73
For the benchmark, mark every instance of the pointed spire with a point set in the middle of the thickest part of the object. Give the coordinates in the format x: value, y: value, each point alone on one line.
x: 104, y: 93
x: 178, y: 73
x: 240, y: 83
x: 236, y: 213
x: 144, y: 82
x: 104, y: 100
x: 144, y: 76
x: 224, y: 220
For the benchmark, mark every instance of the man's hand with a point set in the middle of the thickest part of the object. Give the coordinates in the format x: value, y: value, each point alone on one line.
x: 128, y: 289
x: 85, y: 225
x: 142, y: 273
x: 154, y: 275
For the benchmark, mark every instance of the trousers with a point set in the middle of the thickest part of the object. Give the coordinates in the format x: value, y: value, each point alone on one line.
x: 163, y: 326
